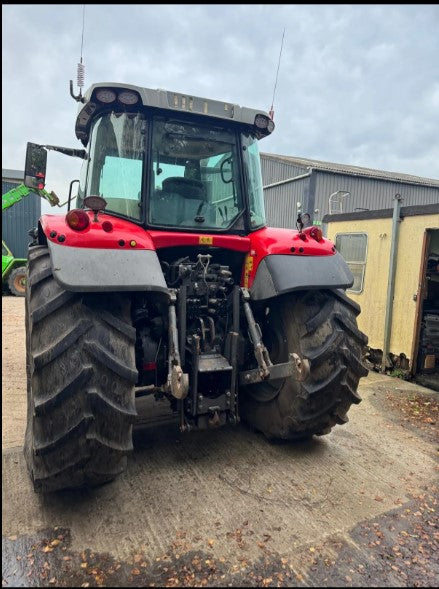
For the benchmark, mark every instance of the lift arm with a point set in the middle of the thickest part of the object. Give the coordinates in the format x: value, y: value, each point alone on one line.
x: 16, y: 194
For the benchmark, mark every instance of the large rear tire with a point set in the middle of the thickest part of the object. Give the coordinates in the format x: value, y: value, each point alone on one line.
x: 81, y: 374
x: 320, y: 326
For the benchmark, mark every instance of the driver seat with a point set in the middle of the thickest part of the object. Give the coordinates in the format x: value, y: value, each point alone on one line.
x: 186, y: 197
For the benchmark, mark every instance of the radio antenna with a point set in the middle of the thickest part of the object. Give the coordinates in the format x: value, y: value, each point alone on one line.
x: 80, y: 74
x: 271, y: 112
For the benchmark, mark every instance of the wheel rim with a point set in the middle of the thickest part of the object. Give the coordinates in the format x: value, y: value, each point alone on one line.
x: 20, y: 283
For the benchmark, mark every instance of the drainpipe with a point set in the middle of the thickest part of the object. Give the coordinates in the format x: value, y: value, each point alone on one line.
x: 391, y: 283
x: 293, y: 179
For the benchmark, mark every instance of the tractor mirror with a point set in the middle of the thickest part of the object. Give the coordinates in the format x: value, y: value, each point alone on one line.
x: 35, y: 168
x: 226, y: 170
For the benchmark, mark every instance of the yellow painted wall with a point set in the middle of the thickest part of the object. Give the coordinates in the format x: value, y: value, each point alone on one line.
x: 373, y: 298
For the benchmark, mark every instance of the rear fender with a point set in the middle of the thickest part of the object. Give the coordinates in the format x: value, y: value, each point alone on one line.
x: 97, y: 270
x: 123, y: 259
x: 278, y: 274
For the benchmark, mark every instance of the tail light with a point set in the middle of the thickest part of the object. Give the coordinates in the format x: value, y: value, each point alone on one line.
x: 77, y: 219
x: 316, y: 233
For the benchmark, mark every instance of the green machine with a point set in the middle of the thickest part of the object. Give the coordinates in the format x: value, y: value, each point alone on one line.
x: 14, y: 269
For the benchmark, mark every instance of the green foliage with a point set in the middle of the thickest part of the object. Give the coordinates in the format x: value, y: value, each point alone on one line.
x: 399, y: 373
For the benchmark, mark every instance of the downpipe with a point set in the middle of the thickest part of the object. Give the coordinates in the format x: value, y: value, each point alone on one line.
x: 396, y: 220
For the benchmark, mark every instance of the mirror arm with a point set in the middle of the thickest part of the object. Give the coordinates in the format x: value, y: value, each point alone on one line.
x: 81, y: 153
x: 70, y: 193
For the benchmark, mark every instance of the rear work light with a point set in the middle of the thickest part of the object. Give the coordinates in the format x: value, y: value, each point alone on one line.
x: 263, y: 122
x: 77, y: 219
x: 106, y: 95
x: 127, y: 97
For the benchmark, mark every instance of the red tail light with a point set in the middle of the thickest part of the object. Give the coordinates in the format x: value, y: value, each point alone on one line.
x: 316, y: 233
x: 77, y: 219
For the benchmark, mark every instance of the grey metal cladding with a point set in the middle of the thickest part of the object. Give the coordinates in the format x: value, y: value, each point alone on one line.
x: 96, y: 270
x: 369, y: 189
x: 279, y: 274
x: 352, y: 170
x: 19, y: 219
x: 370, y: 193
x: 281, y: 203
x: 275, y: 170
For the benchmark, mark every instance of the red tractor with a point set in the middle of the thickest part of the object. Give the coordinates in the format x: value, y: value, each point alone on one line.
x: 166, y: 281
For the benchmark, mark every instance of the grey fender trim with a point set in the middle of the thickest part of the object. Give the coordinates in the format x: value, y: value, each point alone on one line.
x: 95, y: 270
x: 278, y: 274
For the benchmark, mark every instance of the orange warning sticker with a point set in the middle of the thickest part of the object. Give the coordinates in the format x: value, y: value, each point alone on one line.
x: 247, y: 269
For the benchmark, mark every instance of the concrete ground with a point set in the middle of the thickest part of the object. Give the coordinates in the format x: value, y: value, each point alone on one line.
x: 227, y: 508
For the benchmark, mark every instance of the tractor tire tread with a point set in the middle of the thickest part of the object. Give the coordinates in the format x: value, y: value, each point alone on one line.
x: 81, y: 377
x: 320, y: 326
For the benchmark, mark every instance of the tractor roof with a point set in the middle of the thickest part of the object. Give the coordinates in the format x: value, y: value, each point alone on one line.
x: 166, y: 100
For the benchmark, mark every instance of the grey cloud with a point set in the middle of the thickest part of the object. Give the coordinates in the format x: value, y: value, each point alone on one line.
x: 358, y: 84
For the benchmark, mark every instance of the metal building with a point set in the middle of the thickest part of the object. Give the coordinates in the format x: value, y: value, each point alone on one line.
x: 293, y: 185
x: 19, y: 219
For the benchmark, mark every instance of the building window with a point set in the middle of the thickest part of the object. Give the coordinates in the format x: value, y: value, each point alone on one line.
x: 353, y: 248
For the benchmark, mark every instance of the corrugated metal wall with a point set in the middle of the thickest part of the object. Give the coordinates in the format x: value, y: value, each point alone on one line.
x: 369, y: 193
x: 18, y: 220
x: 281, y: 203
x: 275, y: 171
x: 314, y: 192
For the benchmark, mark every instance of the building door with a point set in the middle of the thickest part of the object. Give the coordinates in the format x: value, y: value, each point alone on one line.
x: 426, y: 338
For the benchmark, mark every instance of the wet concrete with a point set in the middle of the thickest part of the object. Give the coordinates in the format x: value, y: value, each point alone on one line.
x: 396, y: 549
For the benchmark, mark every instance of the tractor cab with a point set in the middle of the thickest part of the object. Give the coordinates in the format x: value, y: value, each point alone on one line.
x: 170, y: 161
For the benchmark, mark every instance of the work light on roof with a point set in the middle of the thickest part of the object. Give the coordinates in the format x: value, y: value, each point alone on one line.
x: 127, y: 97
x: 261, y: 121
x: 105, y: 95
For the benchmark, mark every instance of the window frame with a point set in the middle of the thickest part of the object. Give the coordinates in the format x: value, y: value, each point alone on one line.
x: 362, y: 264
x: 87, y: 172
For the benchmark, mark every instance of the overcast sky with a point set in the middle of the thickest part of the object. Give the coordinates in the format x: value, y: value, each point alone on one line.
x: 358, y: 84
